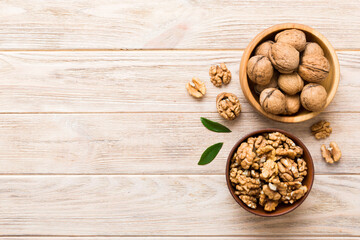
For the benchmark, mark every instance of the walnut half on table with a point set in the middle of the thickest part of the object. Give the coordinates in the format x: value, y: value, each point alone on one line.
x: 268, y: 170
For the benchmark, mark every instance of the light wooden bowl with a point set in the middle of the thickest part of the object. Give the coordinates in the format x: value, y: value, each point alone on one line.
x: 330, y: 83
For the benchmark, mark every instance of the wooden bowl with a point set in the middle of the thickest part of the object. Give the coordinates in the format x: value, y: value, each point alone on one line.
x: 330, y: 83
x: 282, y: 208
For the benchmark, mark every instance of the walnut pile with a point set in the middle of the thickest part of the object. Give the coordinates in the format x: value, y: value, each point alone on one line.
x: 294, y: 67
x: 331, y: 154
x: 196, y: 88
x: 268, y: 170
x: 321, y: 129
x: 228, y: 105
x: 219, y: 75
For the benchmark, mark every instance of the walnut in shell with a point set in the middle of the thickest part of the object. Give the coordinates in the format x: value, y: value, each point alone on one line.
x: 313, y: 48
x: 314, y: 68
x: 264, y: 48
x: 260, y: 70
x: 228, y: 105
x: 313, y: 97
x: 272, y: 101
x: 219, y: 75
x: 292, y: 104
x: 290, y: 83
x: 293, y: 37
x: 284, y: 57
x: 196, y: 88
x: 272, y: 84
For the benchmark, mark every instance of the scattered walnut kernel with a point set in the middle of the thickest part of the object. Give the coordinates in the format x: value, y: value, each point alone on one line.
x: 321, y: 129
x: 219, y: 75
x: 331, y: 154
x: 196, y: 88
x: 268, y: 170
x: 228, y: 105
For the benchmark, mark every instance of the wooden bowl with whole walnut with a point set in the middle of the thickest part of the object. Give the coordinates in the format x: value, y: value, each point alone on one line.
x: 330, y: 83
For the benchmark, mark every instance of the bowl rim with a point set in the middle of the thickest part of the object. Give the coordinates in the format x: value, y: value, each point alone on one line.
x: 244, y: 79
x: 257, y: 132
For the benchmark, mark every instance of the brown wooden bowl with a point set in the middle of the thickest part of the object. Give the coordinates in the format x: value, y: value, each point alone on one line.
x: 282, y: 208
x: 330, y: 83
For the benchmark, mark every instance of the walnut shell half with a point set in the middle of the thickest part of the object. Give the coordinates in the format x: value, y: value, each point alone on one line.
x: 284, y: 57
x: 293, y: 37
x: 314, y: 68
x: 260, y: 70
x: 272, y: 101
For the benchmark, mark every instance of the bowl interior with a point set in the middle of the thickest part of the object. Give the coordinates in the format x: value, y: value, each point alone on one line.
x: 330, y: 83
x: 281, y: 208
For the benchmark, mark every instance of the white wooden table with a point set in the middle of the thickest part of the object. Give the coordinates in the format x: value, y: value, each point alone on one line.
x: 100, y: 140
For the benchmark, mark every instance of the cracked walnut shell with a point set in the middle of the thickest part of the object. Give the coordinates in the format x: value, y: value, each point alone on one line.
x: 196, y: 88
x: 228, y: 105
x: 321, y: 129
x: 219, y: 75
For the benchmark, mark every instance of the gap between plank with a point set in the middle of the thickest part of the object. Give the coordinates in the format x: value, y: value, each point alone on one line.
x: 146, y: 174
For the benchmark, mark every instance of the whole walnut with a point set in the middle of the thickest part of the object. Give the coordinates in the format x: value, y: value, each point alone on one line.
x: 264, y: 48
x: 290, y: 83
x: 312, y: 48
x: 272, y: 101
x: 292, y: 104
x: 314, y: 68
x: 313, y: 97
x: 272, y: 84
x: 293, y: 37
x: 284, y: 57
x: 260, y: 70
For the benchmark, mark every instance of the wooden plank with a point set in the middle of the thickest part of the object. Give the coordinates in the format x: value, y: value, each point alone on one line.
x: 165, y: 205
x: 148, y: 143
x: 109, y: 24
x: 183, y: 238
x: 135, y: 81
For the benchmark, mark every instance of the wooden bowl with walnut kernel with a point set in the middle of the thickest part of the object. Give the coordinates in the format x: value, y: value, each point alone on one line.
x: 249, y: 88
x: 279, y: 177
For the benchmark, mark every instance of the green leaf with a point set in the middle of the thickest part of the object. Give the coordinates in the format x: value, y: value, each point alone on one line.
x: 210, y: 153
x: 214, y: 126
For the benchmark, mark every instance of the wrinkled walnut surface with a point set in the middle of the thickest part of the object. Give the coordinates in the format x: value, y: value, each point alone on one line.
x: 268, y: 170
x: 196, y: 88
x: 321, y: 129
x: 290, y: 83
x: 292, y: 104
x: 264, y: 48
x: 219, y: 75
x: 228, y: 105
x: 314, y: 68
x: 260, y: 70
x: 284, y: 57
x: 313, y: 97
x: 272, y: 100
x: 312, y: 48
x: 293, y: 37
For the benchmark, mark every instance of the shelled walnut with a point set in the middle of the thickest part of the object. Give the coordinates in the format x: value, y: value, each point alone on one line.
x: 321, y: 129
x: 228, y: 105
x: 219, y: 75
x: 196, y: 88
x: 268, y: 170
x: 332, y: 154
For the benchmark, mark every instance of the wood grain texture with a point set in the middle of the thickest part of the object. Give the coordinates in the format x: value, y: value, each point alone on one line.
x: 148, y: 143
x: 215, y: 24
x: 175, y: 205
x: 132, y: 81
